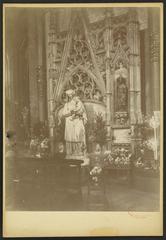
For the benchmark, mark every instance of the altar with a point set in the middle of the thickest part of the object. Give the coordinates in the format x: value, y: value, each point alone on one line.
x: 110, y: 60
x: 101, y: 63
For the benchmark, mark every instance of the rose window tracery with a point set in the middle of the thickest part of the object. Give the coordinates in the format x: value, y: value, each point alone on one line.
x: 85, y: 87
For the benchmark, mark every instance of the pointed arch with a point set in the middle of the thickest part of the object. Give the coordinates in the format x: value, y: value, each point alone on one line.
x: 66, y: 57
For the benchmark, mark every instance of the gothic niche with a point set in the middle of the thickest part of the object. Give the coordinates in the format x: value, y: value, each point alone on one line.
x: 85, y: 87
x: 120, y: 36
x: 121, y: 94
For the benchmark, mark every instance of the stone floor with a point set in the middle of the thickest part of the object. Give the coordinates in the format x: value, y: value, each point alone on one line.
x: 118, y: 197
x: 44, y: 196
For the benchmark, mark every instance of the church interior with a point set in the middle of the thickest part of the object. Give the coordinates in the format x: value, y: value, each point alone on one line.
x: 110, y: 59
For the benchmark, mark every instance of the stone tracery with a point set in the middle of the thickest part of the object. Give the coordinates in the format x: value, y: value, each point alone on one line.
x: 85, y: 87
x: 97, y: 36
x: 79, y: 52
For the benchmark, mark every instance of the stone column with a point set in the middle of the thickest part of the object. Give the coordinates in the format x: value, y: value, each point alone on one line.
x: 50, y: 55
x: 108, y: 37
x: 40, y: 79
x: 134, y: 73
x: 148, y: 97
x: 32, y: 59
x: 138, y: 74
x: 10, y: 113
x: 154, y: 25
x: 131, y: 75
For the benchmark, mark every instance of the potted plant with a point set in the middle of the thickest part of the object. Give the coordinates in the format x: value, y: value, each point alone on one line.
x: 96, y: 131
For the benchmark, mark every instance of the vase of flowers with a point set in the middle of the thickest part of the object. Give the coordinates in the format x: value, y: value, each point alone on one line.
x: 95, y: 174
x: 39, y: 147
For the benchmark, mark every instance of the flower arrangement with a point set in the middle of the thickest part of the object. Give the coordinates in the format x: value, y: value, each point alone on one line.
x: 39, y: 147
x: 145, y: 156
x: 148, y: 144
x: 95, y: 174
x: 44, y: 146
x: 118, y: 158
x: 147, y: 152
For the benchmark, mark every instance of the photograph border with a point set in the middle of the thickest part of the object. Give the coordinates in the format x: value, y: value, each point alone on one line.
x: 29, y: 220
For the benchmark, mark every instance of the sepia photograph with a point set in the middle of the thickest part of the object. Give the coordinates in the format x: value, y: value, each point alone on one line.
x: 83, y: 111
